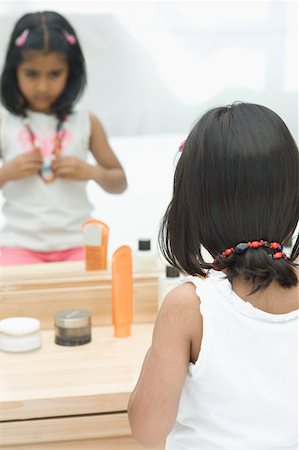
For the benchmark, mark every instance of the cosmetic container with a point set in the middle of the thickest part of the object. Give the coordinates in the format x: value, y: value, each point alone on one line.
x: 122, y: 291
x: 145, y: 259
x: 167, y: 282
x: 95, y: 236
x: 19, y: 334
x: 72, y: 327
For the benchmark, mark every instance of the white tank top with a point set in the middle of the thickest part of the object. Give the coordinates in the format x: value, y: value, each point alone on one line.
x: 44, y: 216
x: 241, y: 394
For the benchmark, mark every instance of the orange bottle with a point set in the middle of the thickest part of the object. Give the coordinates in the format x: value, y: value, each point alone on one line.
x: 122, y: 291
x: 95, y: 235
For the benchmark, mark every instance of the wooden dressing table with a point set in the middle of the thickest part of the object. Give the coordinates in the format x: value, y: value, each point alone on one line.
x: 71, y: 397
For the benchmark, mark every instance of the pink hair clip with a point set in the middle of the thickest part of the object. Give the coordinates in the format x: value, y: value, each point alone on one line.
x: 69, y: 37
x: 182, y: 146
x: 21, y: 39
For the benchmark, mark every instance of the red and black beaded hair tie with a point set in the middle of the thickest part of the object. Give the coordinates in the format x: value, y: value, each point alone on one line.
x: 275, y: 247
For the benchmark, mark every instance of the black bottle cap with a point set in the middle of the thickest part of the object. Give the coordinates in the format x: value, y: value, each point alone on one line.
x: 144, y: 244
x: 172, y: 272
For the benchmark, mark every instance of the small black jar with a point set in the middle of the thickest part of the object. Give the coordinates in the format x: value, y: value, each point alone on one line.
x: 73, y: 327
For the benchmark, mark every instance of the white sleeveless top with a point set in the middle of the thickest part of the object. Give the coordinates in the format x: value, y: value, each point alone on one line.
x: 241, y: 394
x: 44, y: 216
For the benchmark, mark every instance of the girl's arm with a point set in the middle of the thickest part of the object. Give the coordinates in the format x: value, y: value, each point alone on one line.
x: 154, y: 402
x: 108, y: 173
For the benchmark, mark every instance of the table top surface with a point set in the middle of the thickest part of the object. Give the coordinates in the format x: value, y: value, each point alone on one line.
x: 56, y: 380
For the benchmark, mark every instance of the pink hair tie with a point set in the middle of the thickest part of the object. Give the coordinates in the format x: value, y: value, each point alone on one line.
x: 21, y: 39
x: 182, y: 146
x: 69, y: 37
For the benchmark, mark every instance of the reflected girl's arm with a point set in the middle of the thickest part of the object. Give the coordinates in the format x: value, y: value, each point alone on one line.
x: 108, y: 173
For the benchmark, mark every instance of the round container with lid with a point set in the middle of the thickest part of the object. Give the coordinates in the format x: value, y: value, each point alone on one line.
x: 73, y: 327
x: 19, y: 334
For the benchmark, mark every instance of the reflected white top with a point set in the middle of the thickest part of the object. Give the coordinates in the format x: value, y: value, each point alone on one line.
x: 241, y: 394
x: 44, y: 216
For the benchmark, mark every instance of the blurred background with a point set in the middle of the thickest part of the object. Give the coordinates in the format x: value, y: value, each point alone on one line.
x: 154, y: 67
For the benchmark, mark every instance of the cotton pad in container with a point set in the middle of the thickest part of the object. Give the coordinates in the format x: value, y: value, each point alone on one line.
x: 19, y: 334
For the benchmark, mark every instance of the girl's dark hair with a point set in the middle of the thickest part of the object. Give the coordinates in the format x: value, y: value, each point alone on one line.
x: 237, y: 180
x: 46, y: 34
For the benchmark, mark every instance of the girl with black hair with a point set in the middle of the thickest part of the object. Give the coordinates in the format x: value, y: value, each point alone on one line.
x: 44, y: 143
x: 222, y: 370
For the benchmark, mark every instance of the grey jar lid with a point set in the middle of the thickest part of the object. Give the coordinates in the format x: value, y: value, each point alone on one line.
x: 73, y: 318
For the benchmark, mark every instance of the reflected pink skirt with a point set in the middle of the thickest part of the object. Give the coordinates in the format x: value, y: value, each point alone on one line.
x: 15, y: 256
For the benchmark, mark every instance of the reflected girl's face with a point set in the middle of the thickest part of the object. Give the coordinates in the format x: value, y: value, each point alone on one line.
x: 42, y: 78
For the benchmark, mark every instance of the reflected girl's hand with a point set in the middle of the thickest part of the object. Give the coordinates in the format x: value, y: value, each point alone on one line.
x: 72, y: 168
x: 22, y: 166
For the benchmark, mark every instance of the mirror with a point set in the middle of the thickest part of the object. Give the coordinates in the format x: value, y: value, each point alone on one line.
x: 154, y: 67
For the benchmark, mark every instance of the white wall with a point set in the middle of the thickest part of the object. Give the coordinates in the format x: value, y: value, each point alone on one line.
x: 149, y: 161
x: 153, y: 67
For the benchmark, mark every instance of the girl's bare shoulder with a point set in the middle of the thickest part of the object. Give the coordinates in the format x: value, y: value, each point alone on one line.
x: 183, y: 305
x: 183, y: 295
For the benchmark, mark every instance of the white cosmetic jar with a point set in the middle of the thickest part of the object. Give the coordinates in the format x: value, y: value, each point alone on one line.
x: 19, y: 334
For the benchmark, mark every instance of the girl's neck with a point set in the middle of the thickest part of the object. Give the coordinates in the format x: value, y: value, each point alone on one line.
x: 32, y: 111
x: 275, y: 299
